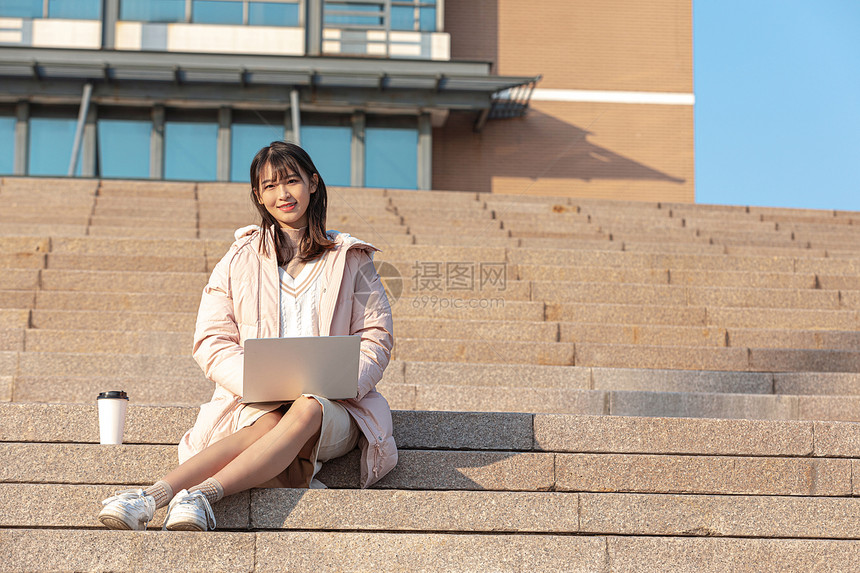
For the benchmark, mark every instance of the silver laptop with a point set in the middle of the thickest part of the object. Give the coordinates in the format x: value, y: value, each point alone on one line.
x: 281, y: 369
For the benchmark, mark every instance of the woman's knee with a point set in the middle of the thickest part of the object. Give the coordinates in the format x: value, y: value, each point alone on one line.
x: 307, y: 412
x: 266, y: 423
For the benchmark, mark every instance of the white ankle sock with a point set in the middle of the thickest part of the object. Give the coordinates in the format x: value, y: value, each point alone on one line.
x: 211, y: 488
x: 161, y: 492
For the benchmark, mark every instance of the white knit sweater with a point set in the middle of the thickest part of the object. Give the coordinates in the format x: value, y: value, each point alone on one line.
x: 299, y: 296
x: 300, y: 300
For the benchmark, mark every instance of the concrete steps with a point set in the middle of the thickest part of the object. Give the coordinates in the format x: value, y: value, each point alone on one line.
x: 77, y: 425
x: 687, y: 515
x: 552, y: 453
x: 48, y: 551
x: 641, y: 386
x: 171, y: 333
x: 472, y: 386
x: 566, y: 489
x: 583, y: 344
x: 800, y: 328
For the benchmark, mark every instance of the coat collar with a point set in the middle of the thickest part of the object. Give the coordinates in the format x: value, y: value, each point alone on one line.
x: 343, y: 241
x: 347, y: 241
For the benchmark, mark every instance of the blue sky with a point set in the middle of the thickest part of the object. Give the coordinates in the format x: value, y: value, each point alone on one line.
x: 777, y: 114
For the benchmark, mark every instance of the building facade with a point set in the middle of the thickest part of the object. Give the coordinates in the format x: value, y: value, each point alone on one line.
x: 585, y: 97
x: 612, y: 116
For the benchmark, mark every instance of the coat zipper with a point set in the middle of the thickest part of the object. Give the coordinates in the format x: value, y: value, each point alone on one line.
x: 377, y: 439
x: 377, y: 446
x: 259, y: 297
x: 376, y: 460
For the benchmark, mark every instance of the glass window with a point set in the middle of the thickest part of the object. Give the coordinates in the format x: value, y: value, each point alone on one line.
x: 246, y: 141
x: 269, y: 14
x: 21, y: 8
x: 124, y: 148
x: 402, y: 18
x: 75, y: 9
x: 152, y: 10
x: 214, y: 12
x: 353, y: 14
x: 7, y: 144
x: 391, y: 157
x: 427, y: 19
x: 329, y: 147
x: 51, y: 142
x: 190, y: 150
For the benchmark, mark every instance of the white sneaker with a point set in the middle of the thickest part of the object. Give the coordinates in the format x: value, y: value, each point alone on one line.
x: 128, y: 509
x: 189, y: 512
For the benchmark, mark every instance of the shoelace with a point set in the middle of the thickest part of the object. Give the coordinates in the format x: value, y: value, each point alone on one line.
x: 193, y: 497
x: 123, y: 494
x: 132, y: 495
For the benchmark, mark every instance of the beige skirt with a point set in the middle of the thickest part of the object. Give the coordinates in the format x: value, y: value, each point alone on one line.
x: 338, y: 436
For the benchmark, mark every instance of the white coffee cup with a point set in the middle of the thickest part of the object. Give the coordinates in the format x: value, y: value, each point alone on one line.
x: 112, y: 409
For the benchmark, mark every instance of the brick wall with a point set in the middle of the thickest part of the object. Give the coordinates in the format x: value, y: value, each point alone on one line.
x: 625, y: 151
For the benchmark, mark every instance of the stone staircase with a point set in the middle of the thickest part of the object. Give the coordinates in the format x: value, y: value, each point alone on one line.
x: 579, y: 385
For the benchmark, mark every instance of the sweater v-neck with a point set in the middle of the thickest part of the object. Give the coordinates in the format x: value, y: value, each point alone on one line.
x: 299, y: 278
x: 305, y: 280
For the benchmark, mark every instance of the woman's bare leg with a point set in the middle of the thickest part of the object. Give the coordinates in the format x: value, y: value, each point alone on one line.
x: 297, y: 431
x: 214, y: 457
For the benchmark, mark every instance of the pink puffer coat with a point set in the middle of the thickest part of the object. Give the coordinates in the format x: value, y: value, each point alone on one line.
x: 241, y: 301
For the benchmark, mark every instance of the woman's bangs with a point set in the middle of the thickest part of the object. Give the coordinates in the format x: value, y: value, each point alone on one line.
x: 282, y: 166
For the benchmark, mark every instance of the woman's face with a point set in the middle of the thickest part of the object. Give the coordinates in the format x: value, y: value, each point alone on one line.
x: 287, y: 199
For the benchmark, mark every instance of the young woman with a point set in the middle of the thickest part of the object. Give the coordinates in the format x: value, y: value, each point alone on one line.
x: 287, y: 277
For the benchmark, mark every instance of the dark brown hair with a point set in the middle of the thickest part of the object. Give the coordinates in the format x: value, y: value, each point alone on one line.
x: 287, y: 158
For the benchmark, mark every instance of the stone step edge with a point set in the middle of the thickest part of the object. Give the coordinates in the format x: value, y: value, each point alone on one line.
x: 549, y: 312
x: 670, y: 254
x: 589, y: 345
x: 810, y: 275
x: 444, y: 321
x: 696, y: 515
x: 656, y: 404
x: 720, y: 337
x: 533, y: 283
x: 402, y: 368
x: 36, y: 550
x: 685, y: 358
x: 487, y: 432
x: 481, y: 471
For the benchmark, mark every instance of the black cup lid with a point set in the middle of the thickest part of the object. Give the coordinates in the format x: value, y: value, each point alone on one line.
x: 115, y: 394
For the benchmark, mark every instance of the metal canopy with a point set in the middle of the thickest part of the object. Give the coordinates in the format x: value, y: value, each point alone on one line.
x: 120, y: 76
